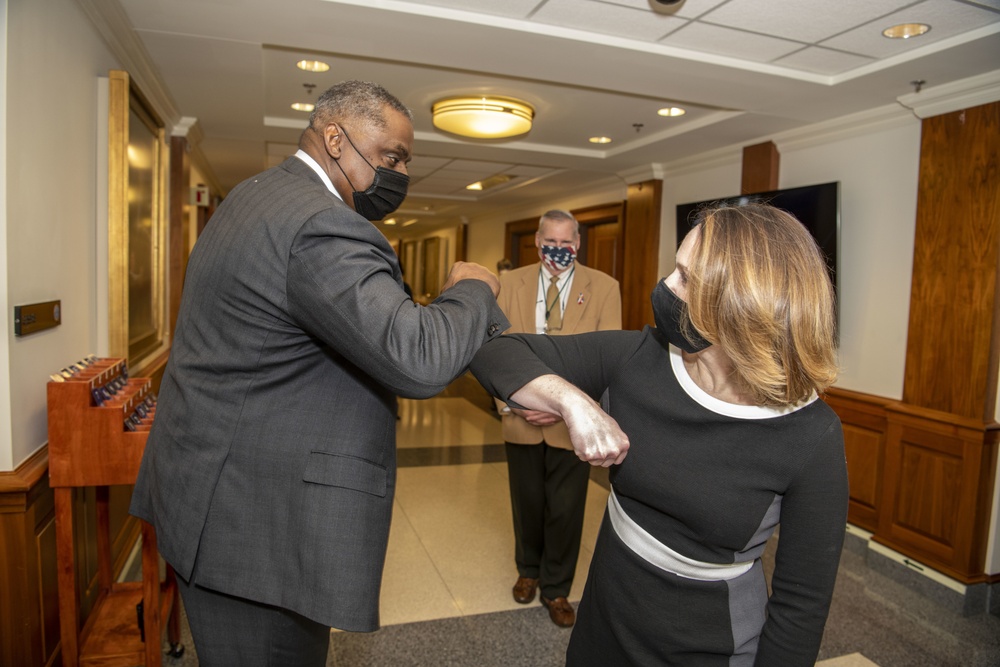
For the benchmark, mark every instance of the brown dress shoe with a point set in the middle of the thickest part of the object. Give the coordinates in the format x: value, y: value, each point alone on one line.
x: 524, y: 590
x: 560, y: 611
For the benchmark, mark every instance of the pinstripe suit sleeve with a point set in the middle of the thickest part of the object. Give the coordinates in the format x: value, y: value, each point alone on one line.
x: 342, y: 287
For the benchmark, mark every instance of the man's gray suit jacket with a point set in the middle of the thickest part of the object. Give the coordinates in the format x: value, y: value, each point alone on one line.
x: 270, y: 469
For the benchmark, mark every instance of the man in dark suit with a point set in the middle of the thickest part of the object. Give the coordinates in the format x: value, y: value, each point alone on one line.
x: 548, y: 483
x: 270, y: 469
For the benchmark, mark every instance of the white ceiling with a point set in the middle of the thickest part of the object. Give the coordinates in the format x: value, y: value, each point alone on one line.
x: 743, y: 69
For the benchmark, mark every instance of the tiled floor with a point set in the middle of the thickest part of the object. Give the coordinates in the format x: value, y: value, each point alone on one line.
x: 446, y: 597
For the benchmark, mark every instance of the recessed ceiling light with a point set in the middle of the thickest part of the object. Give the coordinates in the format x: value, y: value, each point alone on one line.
x: 600, y: 140
x: 303, y: 106
x: 671, y: 111
x: 492, y: 181
x: 409, y: 222
x: 389, y: 221
x: 312, y: 65
x: 906, y: 30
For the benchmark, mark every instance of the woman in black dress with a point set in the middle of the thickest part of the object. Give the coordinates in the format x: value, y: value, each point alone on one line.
x: 726, y: 439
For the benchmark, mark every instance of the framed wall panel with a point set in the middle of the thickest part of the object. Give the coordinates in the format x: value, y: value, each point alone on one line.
x: 137, y: 161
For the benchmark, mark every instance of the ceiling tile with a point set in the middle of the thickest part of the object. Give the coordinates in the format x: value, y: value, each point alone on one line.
x: 728, y: 42
x: 528, y: 171
x: 802, y: 20
x: 688, y: 9
x: 602, y: 18
x: 517, y: 9
x: 946, y: 18
x: 428, y: 163
x: 995, y: 4
x: 477, y: 166
x: 822, y: 61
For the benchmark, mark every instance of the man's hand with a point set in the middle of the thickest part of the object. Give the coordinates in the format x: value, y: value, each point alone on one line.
x: 470, y: 271
x: 537, y: 417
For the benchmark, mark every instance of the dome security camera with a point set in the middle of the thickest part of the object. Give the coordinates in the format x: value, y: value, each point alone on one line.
x: 665, y: 6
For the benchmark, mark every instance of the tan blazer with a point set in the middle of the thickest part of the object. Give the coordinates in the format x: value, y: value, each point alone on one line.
x: 594, y: 304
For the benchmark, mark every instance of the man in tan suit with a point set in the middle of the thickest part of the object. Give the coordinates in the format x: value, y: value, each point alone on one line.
x: 548, y: 483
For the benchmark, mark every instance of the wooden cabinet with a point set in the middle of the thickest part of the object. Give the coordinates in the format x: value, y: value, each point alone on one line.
x: 99, y: 419
x: 939, y: 471
x: 920, y: 480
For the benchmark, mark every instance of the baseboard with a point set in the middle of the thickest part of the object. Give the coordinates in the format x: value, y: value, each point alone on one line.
x: 962, y: 599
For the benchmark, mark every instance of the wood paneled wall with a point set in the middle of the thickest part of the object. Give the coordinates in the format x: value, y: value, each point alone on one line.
x: 922, y: 470
x: 951, y: 351
x: 642, y: 252
x: 29, y: 593
x: 760, y: 168
x: 863, y: 417
x: 29, y: 602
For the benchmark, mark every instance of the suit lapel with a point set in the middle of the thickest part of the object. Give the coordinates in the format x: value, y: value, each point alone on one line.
x: 578, y: 299
x: 527, y: 298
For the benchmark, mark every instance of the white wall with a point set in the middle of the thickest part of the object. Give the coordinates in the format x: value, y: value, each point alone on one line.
x: 878, y: 190
x: 6, y: 451
x: 876, y: 165
x: 51, y: 106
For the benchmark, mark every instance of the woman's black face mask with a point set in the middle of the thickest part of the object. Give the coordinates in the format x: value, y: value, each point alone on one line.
x: 669, y: 313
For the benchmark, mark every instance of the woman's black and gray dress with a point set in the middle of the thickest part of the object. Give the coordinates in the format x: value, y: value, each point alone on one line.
x: 676, y: 577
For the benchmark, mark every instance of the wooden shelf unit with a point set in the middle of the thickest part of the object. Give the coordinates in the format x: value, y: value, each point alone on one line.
x: 99, y: 419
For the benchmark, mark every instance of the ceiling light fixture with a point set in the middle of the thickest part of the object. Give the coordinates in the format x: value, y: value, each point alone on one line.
x: 491, y: 182
x: 600, y: 140
x: 906, y: 30
x: 303, y: 106
x: 409, y: 222
x: 483, y: 117
x: 671, y: 111
x: 312, y: 65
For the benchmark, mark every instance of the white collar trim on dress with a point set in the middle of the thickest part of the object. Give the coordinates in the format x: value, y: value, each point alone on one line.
x: 710, y: 402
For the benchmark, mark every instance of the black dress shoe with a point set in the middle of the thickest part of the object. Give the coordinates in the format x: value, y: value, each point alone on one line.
x: 524, y: 589
x: 560, y: 611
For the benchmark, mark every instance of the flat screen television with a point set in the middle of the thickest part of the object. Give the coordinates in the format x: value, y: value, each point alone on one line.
x: 816, y: 206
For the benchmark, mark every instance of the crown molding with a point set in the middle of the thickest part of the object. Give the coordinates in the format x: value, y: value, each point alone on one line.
x: 116, y: 29
x: 642, y: 173
x: 946, y: 98
x: 189, y: 128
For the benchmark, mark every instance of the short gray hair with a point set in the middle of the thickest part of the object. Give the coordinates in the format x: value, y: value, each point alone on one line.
x: 559, y: 215
x: 355, y: 100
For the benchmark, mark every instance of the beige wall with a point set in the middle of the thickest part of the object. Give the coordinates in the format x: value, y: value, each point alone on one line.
x: 51, y: 106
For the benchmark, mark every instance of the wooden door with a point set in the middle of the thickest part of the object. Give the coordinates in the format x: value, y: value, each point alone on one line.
x: 601, y: 239
x: 604, y: 247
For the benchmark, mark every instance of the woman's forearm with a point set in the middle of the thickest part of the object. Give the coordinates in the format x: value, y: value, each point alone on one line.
x: 596, y: 437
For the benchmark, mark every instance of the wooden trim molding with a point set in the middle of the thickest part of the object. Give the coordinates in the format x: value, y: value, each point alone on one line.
x: 25, y: 478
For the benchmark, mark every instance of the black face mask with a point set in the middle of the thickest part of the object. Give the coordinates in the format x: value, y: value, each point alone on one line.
x: 383, y: 196
x: 669, y: 313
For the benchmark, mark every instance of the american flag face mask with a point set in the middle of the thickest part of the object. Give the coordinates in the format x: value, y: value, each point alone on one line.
x: 557, y: 258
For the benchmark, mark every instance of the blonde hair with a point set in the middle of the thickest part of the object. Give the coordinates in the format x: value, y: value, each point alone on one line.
x: 758, y: 287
